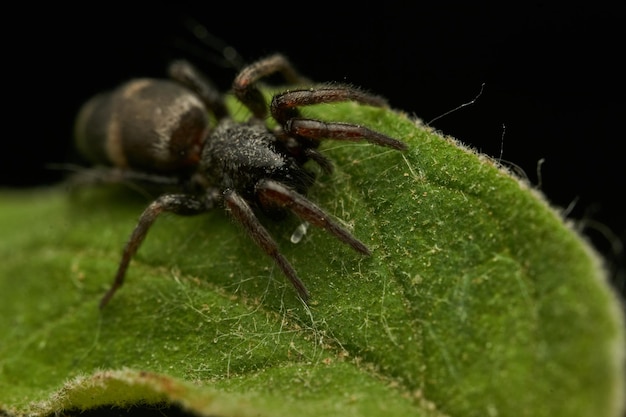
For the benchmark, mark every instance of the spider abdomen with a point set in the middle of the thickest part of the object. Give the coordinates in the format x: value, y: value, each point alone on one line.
x: 146, y: 124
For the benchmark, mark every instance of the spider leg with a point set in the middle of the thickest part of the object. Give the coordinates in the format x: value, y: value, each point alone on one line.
x: 284, y: 105
x: 186, y: 74
x: 273, y: 193
x: 302, y: 151
x: 99, y: 175
x: 320, y: 159
x: 144, y: 183
x: 284, y: 109
x: 317, y: 130
x: 181, y: 204
x: 242, y: 213
x: 246, y: 90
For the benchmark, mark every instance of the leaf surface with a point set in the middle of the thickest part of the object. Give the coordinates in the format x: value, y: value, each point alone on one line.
x: 478, y: 299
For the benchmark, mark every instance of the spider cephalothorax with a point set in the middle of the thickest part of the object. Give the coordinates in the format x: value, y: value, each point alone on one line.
x: 159, y: 132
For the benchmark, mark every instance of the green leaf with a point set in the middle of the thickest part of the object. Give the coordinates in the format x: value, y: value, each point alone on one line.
x: 478, y: 300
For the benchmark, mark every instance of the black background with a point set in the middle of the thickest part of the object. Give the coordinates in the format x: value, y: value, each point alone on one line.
x: 552, y: 75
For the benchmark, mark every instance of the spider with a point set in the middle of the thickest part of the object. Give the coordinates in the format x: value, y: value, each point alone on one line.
x: 158, y: 131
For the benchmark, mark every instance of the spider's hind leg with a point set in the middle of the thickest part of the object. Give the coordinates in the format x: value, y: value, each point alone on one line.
x: 186, y: 74
x: 147, y: 184
x: 181, y: 204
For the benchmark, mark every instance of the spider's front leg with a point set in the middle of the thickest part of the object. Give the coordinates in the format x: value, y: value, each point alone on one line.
x: 245, y: 84
x: 284, y: 109
x: 180, y: 204
x: 243, y: 214
x: 273, y: 193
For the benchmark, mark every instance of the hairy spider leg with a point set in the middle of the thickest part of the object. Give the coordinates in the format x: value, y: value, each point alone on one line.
x: 246, y: 90
x: 181, y: 204
x: 317, y: 130
x: 285, y: 105
x: 242, y: 213
x: 273, y: 193
x: 111, y: 175
x: 186, y: 74
x: 284, y: 110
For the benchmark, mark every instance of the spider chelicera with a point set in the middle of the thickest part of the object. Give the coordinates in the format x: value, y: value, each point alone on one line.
x: 159, y: 132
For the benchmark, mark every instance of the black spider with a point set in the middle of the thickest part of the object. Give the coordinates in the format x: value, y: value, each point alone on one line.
x: 160, y: 132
